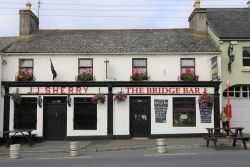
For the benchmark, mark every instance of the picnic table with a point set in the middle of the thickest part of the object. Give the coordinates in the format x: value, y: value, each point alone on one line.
x: 27, y: 133
x: 235, y: 133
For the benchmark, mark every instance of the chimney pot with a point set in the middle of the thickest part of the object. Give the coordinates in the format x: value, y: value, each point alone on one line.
x: 197, y: 4
x: 28, y: 6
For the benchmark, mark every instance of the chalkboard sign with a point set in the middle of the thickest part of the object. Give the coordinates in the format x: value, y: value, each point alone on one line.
x: 206, y: 114
x: 161, y: 107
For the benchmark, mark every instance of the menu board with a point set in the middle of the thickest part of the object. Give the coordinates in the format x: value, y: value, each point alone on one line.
x: 161, y: 107
x: 206, y: 114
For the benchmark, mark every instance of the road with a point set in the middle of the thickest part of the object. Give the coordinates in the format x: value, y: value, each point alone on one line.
x: 199, y: 157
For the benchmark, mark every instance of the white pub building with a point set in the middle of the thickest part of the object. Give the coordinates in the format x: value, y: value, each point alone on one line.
x: 69, y: 84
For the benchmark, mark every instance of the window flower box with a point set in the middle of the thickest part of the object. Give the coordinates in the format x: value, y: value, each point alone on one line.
x: 137, y: 76
x: 85, y: 76
x: 120, y: 97
x: 24, y: 75
x: 99, y: 98
x: 189, y: 75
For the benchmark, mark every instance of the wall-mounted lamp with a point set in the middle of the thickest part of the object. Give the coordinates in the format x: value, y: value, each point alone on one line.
x: 231, y: 57
x: 4, y: 62
x: 39, y: 101
x: 69, y: 100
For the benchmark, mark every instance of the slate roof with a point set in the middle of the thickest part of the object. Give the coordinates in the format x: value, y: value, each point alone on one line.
x: 5, y: 41
x: 230, y: 23
x: 114, y: 41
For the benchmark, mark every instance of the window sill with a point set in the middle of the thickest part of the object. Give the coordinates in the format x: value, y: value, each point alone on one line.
x: 245, y: 70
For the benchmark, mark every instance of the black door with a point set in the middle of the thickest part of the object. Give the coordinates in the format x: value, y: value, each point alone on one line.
x: 55, y: 118
x: 140, y: 116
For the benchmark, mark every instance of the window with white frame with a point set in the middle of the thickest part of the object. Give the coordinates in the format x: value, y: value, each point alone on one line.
x: 238, y: 91
x: 246, y: 57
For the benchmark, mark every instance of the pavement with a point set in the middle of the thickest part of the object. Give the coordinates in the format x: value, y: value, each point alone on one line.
x: 110, y: 145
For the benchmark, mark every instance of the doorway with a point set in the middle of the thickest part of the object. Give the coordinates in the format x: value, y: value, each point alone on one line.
x: 55, y: 117
x: 140, y: 120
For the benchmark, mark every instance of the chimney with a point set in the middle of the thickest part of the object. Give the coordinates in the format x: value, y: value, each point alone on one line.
x: 198, y: 19
x: 248, y: 3
x: 28, y: 21
x: 197, y: 4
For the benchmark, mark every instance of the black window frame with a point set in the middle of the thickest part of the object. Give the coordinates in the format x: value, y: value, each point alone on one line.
x: 27, y: 67
x: 86, y: 123
x: 246, y: 56
x: 87, y: 67
x: 177, y: 114
x: 140, y: 67
x: 184, y: 67
x: 20, y: 117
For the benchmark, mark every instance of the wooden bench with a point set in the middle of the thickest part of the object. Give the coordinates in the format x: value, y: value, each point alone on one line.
x: 26, y: 133
x: 235, y: 133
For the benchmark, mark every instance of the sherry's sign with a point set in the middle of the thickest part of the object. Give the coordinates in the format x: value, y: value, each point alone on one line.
x: 128, y: 90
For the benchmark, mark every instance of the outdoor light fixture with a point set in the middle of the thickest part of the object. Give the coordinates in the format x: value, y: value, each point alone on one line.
x: 69, y: 100
x: 39, y: 101
x: 231, y: 57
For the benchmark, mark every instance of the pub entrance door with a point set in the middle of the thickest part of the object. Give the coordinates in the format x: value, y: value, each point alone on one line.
x: 55, y: 117
x: 140, y: 116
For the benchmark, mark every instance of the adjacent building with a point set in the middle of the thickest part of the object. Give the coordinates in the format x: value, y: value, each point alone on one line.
x: 229, y: 29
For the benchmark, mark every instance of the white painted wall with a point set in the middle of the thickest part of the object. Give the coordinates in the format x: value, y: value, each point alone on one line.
x: 121, y: 119
x: 101, y: 119
x: 163, y: 67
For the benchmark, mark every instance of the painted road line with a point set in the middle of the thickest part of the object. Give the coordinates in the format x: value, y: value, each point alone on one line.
x: 61, y: 158
x: 177, y: 154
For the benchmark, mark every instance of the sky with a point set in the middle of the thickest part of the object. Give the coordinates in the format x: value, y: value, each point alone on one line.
x: 106, y: 14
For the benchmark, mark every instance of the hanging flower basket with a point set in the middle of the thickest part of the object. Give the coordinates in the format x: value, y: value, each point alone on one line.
x: 24, y: 75
x: 205, y: 100
x: 120, y: 97
x: 137, y: 76
x: 98, y: 99
x: 16, y: 97
x: 85, y: 76
x: 189, y: 75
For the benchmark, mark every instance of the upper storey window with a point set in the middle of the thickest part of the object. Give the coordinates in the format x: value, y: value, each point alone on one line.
x: 139, y: 69
x: 246, y: 57
x: 25, y: 71
x: 85, y: 70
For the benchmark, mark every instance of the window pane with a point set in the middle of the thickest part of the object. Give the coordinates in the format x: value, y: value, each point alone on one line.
x: 224, y: 94
x: 85, y: 63
x: 237, y: 94
x: 139, y: 62
x: 25, y: 114
x: 140, y: 70
x: 246, y: 62
x: 183, y: 70
x: 187, y: 62
x: 246, y: 52
x: 244, y: 94
x: 85, y: 114
x: 25, y: 63
x: 184, y: 112
x: 237, y: 88
x: 87, y: 70
x: 244, y: 88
